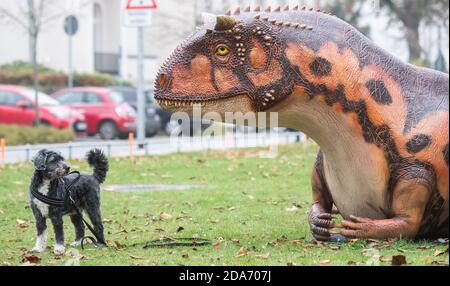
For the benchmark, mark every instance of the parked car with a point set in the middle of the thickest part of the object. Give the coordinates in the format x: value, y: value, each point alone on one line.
x: 17, y: 106
x: 153, y: 112
x: 106, y: 111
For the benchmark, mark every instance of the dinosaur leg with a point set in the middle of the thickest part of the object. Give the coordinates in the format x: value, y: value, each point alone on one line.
x: 320, y: 216
x: 409, y: 201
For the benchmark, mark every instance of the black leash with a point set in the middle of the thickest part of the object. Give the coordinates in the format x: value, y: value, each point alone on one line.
x: 97, y: 241
x: 181, y: 241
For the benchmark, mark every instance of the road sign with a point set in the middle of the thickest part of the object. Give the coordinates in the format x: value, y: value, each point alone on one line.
x: 71, y: 25
x: 138, y: 13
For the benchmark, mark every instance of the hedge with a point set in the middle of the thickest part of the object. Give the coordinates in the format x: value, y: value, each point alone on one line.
x: 21, y: 135
x: 20, y: 73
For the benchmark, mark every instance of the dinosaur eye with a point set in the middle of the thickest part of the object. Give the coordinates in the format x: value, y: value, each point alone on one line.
x: 222, y: 50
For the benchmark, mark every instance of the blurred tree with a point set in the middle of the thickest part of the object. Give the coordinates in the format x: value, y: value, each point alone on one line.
x: 411, y: 14
x: 351, y: 12
x: 31, y: 16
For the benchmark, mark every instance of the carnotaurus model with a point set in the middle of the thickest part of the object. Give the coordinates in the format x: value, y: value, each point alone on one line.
x: 382, y: 125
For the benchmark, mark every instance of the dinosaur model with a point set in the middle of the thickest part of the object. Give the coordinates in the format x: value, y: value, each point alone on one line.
x: 381, y: 124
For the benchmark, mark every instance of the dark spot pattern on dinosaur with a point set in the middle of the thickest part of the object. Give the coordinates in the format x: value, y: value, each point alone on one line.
x: 379, y: 92
x: 418, y: 143
x: 320, y: 67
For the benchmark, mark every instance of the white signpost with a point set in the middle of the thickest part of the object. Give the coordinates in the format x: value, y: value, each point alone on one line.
x: 138, y: 14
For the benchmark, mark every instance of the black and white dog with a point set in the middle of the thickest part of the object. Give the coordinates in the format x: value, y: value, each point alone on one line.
x: 50, y: 170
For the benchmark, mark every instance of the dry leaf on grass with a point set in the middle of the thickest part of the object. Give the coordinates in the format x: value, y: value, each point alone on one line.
x: 21, y: 223
x: 30, y: 258
x: 119, y: 245
x: 242, y: 252
x: 292, y: 209
x: 136, y: 257
x: 216, y: 245
x: 440, y: 252
x: 398, y: 260
x: 263, y: 256
x: 164, y: 215
x: 324, y: 262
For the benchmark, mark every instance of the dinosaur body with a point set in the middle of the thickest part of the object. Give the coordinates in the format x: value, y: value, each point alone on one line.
x: 382, y: 124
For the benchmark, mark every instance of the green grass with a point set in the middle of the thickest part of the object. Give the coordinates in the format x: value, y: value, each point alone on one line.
x: 243, y: 203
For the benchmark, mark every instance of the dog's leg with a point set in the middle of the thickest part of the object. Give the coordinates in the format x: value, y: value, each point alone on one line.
x: 93, y: 211
x: 79, y: 229
x: 57, y: 222
x: 41, y: 227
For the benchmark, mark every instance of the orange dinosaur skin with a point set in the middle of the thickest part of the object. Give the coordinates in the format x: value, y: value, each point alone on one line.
x: 382, y: 125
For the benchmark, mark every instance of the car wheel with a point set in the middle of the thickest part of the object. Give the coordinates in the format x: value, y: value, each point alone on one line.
x: 108, y: 130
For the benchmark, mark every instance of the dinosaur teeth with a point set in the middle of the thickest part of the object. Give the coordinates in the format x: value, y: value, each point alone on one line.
x: 295, y: 8
x: 247, y: 9
x: 228, y: 12
x: 237, y: 11
x: 257, y: 9
x: 286, y: 8
x: 302, y: 26
x: 268, y: 9
x: 257, y: 17
x: 277, y: 9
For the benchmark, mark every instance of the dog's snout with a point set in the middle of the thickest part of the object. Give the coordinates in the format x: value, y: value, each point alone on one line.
x: 67, y: 168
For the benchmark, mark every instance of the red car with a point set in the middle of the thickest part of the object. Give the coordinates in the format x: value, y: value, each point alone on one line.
x: 17, y: 106
x: 105, y: 110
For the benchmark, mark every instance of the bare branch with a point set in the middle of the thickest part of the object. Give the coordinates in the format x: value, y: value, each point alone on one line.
x: 13, y: 18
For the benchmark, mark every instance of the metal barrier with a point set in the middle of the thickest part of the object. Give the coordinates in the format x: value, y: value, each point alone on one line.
x: 157, y: 146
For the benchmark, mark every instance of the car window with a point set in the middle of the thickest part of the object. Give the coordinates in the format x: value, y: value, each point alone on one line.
x: 91, y: 98
x: 44, y: 99
x: 116, y: 97
x: 10, y: 98
x: 70, y: 98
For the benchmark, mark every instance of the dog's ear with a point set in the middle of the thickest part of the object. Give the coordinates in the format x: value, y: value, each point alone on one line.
x: 39, y: 160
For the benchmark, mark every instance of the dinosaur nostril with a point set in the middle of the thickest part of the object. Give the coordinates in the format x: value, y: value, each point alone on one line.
x: 162, y: 80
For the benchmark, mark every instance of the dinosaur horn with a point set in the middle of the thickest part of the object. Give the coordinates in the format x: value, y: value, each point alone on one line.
x: 208, y: 18
x: 224, y: 23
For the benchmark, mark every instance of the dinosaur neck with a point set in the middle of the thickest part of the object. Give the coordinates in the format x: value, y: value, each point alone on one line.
x: 325, y: 125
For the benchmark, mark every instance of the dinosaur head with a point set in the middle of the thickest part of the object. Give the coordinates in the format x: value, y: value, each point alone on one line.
x: 231, y: 64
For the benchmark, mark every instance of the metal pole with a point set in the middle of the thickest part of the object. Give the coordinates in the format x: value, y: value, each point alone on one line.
x: 70, y: 69
x: 140, y: 87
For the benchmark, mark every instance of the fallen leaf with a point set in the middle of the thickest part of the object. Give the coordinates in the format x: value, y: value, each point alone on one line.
x: 31, y: 259
x: 325, y: 262
x: 398, y: 260
x: 21, y: 223
x: 216, y: 245
x: 119, y: 245
x: 235, y: 240
x: 440, y: 252
x: 292, y: 209
x: 164, y: 215
x: 215, y: 221
x: 136, y: 257
x: 242, y: 252
x: 263, y: 256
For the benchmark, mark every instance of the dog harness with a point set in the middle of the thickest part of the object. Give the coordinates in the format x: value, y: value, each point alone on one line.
x: 66, y: 203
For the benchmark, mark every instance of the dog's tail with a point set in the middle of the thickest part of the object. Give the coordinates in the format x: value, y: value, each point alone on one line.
x: 98, y: 161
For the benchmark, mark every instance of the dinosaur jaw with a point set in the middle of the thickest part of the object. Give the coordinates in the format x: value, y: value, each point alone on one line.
x: 239, y: 103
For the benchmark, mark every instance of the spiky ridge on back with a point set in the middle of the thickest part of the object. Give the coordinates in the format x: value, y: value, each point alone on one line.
x: 98, y: 161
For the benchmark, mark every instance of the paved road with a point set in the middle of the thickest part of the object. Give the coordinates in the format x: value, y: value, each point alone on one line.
x: 155, y: 146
